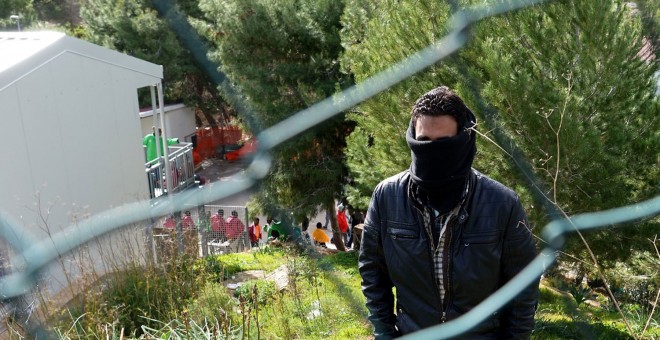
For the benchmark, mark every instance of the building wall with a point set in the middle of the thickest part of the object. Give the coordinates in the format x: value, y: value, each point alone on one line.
x: 180, y: 122
x: 71, y: 137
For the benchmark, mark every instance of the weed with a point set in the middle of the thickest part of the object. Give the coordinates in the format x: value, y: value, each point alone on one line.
x: 580, y: 293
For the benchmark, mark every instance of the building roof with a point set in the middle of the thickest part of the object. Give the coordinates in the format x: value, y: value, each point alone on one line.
x: 148, y: 112
x: 23, y: 52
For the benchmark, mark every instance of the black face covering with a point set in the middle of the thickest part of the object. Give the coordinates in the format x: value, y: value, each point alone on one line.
x: 441, y: 167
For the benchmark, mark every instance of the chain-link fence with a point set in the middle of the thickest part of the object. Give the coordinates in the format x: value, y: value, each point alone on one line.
x: 38, y: 254
x: 199, y: 231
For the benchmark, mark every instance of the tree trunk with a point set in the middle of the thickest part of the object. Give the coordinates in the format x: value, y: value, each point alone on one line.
x: 336, y: 233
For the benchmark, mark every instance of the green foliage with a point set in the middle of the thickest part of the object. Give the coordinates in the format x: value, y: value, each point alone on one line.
x: 324, y: 300
x: 134, y: 28
x: 263, y: 290
x: 374, y: 40
x: 23, y: 8
x: 222, y: 267
x: 131, y: 298
x: 557, y: 318
x: 283, y: 57
x: 569, y: 88
x: 578, y: 101
x: 580, y: 293
x: 214, y: 302
x: 189, y: 329
x: 60, y: 11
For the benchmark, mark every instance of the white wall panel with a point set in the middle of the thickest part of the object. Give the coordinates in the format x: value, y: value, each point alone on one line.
x: 73, y: 140
x: 43, y: 139
x: 15, y: 170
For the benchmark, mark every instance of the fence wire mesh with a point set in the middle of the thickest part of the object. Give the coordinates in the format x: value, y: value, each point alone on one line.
x: 37, y: 254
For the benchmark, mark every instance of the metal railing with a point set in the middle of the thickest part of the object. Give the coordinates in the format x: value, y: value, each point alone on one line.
x: 182, y: 171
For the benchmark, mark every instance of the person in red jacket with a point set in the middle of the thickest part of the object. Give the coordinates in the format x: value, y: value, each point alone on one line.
x: 342, y: 222
x: 187, y: 221
x: 218, y: 226
x: 235, y: 226
x: 170, y: 222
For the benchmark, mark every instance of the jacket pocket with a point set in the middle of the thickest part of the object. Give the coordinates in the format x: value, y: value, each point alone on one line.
x: 401, y: 243
x: 404, y: 323
x: 480, y: 238
x: 400, y: 233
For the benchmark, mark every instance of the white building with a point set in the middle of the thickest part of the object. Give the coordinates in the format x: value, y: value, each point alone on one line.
x: 179, y: 119
x: 71, y: 132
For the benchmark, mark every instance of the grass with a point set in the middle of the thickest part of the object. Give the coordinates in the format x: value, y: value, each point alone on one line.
x: 561, y: 316
x: 323, y: 300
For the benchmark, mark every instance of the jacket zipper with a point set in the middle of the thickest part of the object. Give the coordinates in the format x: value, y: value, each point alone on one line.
x: 447, y: 274
x: 458, y: 226
x: 430, y: 243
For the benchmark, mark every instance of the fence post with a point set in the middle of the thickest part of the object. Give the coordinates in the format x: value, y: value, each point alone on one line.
x: 204, y: 224
x: 179, y: 232
x: 149, y: 235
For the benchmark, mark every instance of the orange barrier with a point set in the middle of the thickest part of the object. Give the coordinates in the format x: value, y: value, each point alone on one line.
x: 210, y: 138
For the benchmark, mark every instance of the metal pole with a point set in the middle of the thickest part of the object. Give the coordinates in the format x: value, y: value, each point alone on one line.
x: 163, y: 126
x: 155, y: 119
x: 18, y: 21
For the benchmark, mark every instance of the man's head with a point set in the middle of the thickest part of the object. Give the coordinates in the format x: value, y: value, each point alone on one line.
x: 256, y: 220
x: 234, y: 213
x: 442, y: 146
x: 221, y: 212
x: 441, y: 106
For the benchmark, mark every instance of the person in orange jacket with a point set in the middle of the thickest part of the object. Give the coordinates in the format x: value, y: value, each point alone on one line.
x: 255, y: 232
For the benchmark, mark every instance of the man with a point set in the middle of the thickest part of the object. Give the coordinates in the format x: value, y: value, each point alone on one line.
x: 254, y: 231
x: 235, y: 226
x: 218, y: 228
x: 445, y: 235
x: 356, y: 218
x: 342, y: 222
x: 319, y: 236
x: 149, y: 141
x: 187, y: 221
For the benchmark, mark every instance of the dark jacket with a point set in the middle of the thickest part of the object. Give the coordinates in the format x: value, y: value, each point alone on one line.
x: 490, y: 244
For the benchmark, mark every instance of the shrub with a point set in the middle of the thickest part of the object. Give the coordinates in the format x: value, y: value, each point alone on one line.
x: 580, y: 293
x: 222, y: 267
x: 132, y: 298
x: 265, y: 291
x: 214, y: 302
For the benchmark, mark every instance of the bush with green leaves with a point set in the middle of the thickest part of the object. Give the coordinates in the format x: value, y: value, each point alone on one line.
x: 132, y: 298
x: 214, y: 304
x: 580, y: 293
x: 262, y: 290
x: 222, y: 267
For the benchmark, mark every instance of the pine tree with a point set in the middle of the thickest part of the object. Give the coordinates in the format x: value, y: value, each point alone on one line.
x: 575, y: 96
x: 133, y: 27
x: 283, y: 56
x: 565, y: 80
x: 376, y: 36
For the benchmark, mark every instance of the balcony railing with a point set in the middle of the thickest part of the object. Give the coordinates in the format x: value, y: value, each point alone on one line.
x: 181, y: 171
